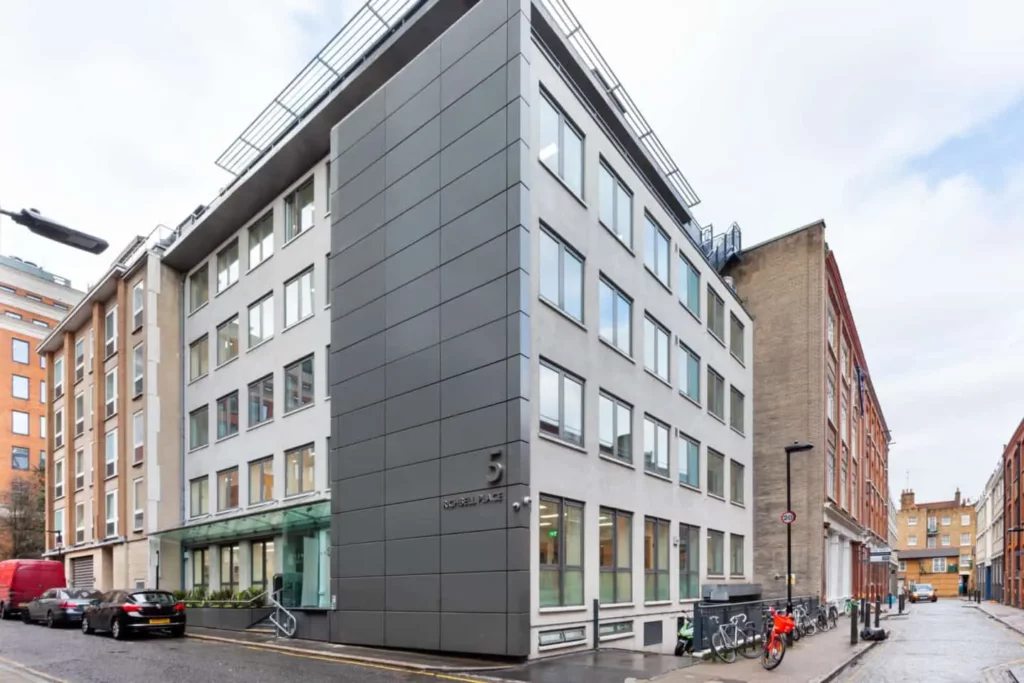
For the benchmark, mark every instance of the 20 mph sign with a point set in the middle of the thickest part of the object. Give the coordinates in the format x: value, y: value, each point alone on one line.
x: 788, y: 517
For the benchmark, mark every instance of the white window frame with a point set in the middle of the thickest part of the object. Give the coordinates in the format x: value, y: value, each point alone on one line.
x: 58, y: 428
x: 110, y: 453
x: 80, y: 480
x: 295, y: 284
x: 654, y: 430
x: 229, y: 269
x: 80, y: 516
x: 110, y: 399
x: 138, y: 518
x: 965, y: 539
x: 18, y: 345
x: 22, y: 417
x: 58, y: 527
x: 110, y: 332
x: 138, y: 368
x: 912, y: 540
x: 293, y: 226
x: 266, y: 321
x: 28, y: 388
x: 138, y: 437
x: 610, y: 181
x: 262, y: 248
x: 559, y: 168
x: 79, y: 366
x: 58, y: 478
x: 938, y: 565
x: 79, y: 414
x: 617, y: 296
x: 110, y: 505
x: 946, y: 520
x: 657, y: 241
x: 657, y: 338
x: 138, y: 301
x: 565, y: 255
x: 58, y: 378
x: 912, y: 521
x: 194, y: 303
x: 965, y: 520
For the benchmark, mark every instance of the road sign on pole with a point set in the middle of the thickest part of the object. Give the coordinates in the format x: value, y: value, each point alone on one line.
x: 788, y: 517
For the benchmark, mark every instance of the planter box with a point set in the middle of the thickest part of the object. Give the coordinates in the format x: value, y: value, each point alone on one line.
x: 225, y: 618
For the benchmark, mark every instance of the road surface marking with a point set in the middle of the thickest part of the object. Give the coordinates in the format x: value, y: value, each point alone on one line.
x: 39, y: 674
x: 352, y: 662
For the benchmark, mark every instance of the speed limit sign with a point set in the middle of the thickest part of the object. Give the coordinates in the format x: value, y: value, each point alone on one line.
x: 788, y: 517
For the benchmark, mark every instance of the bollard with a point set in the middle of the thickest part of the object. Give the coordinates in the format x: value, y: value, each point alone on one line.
x: 903, y: 602
x: 867, y: 614
x: 878, y: 609
x: 854, y: 622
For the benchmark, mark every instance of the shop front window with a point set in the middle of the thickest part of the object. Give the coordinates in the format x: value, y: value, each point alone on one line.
x: 229, y: 568
x: 263, y: 564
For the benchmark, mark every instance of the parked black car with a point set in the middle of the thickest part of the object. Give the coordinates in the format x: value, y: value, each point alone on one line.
x: 127, y: 612
x: 58, y: 606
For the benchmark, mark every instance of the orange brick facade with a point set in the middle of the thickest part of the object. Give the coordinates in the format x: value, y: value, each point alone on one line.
x: 1013, y: 541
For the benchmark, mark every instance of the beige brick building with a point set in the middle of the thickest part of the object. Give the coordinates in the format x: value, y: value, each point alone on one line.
x: 811, y: 384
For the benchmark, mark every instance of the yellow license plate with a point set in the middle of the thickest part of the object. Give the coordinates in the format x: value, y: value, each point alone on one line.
x: 159, y: 621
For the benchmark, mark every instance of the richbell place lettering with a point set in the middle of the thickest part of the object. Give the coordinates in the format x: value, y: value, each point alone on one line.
x: 478, y: 499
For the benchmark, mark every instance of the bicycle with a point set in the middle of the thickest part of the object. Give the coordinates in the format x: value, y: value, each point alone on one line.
x: 735, y: 636
x: 774, y: 648
x: 825, y: 619
x: 805, y: 626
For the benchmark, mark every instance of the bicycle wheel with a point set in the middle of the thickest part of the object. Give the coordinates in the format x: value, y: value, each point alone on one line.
x: 797, y: 632
x: 822, y: 622
x: 773, y: 652
x: 810, y: 627
x: 721, y: 649
x: 847, y: 607
x: 749, y: 647
x: 833, y: 617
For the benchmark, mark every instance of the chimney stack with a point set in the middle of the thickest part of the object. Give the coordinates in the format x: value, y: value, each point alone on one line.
x: 906, y: 499
x: 956, y: 498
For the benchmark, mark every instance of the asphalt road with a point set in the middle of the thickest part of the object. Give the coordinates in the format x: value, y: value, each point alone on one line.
x: 35, y: 654
x: 942, y: 642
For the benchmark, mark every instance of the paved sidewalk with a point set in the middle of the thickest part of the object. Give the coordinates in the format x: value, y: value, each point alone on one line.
x: 1010, y: 617
x: 819, y: 659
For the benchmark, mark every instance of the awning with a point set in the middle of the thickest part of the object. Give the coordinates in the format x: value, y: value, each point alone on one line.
x: 303, y: 516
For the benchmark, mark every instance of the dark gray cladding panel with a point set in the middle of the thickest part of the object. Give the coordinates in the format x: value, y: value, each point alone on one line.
x: 430, y: 349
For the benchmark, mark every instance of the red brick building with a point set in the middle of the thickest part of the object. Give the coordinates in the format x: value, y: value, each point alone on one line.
x: 1013, y: 541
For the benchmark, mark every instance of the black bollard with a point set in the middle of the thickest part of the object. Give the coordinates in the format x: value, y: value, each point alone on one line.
x: 867, y: 614
x: 854, y: 623
x: 903, y: 602
x: 878, y: 609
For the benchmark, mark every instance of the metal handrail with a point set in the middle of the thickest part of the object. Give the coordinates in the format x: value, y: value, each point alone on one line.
x: 284, y: 621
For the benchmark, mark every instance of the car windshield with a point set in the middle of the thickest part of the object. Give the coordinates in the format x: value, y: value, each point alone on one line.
x: 924, y: 587
x: 153, y: 598
x: 83, y: 595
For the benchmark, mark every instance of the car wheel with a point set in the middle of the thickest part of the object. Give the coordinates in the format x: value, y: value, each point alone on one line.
x: 26, y: 618
x: 50, y: 622
x: 86, y: 626
x: 117, y: 630
x: 3, y: 612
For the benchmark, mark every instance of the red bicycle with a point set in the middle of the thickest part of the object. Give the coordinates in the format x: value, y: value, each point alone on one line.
x: 774, y: 647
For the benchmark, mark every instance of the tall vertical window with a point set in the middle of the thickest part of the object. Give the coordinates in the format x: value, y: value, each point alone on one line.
x: 110, y: 393
x: 689, y: 562
x: 58, y: 526
x: 261, y: 481
x: 199, y: 358
x: 261, y: 320
x: 844, y: 361
x: 737, y: 482
x: 855, y: 500
x: 58, y: 378
x: 716, y: 394
x: 615, y: 424
x: 138, y: 301
x: 615, y: 535
x: 110, y: 332
x: 227, y: 415
x: 561, y: 275
x: 42, y: 391
x: 716, y: 473
x: 19, y: 351
x: 689, y: 461
x: 58, y: 427
x: 716, y: 315
x: 229, y: 568
x: 689, y: 285
x: 198, y: 288
x: 689, y: 373
x: 616, y: 317
x: 80, y: 359
x: 561, y: 552
x: 298, y: 211
x: 138, y: 504
x: 298, y: 298
x: 656, y: 344
x: 657, y: 247
x: 830, y: 396
x: 736, y: 564
x: 199, y: 496
x: 80, y: 469
x: 20, y: 458
x: 830, y: 473
x: 327, y: 172
x: 561, y: 404
x: 58, y: 478
x: 616, y: 205
x: 200, y: 568
x: 19, y: 422
x: 110, y: 453
x: 261, y: 400
x: 79, y: 522
x: 844, y: 466
x: 737, y: 408
x: 138, y: 366
x: 79, y: 414
x: 19, y: 387
x: 263, y: 562
x: 261, y: 240
x: 227, y: 340
x: 111, y: 508
x: 138, y: 437
x: 561, y: 145
x: 227, y: 266
x: 655, y: 447
x: 843, y: 416
x: 656, y: 550
x: 830, y: 329
x: 298, y: 384
x: 199, y: 427
x: 965, y: 539
x: 299, y: 466
x: 227, y: 489
x: 737, y: 342
x: 42, y: 426
x: 716, y: 553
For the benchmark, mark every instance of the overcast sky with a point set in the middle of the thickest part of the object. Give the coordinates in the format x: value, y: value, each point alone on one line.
x: 901, y: 124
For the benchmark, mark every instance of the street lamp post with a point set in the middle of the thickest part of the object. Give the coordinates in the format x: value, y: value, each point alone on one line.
x: 56, y: 232
x: 794, y: 447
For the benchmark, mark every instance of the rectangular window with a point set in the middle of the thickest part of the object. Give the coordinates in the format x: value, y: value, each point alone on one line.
x: 689, y: 373
x: 689, y: 562
x: 912, y: 521
x: 42, y: 426
x: 830, y: 329
x: 227, y: 266
x: 298, y: 384
x: 199, y: 358
x: 716, y: 394
x: 615, y: 424
x: 561, y: 275
x: 843, y: 469
x: 736, y: 566
x: 110, y: 453
x: 138, y: 504
x: 616, y: 205
x: 263, y: 562
x: 261, y: 481
x: 261, y: 401
x: 198, y: 289
x: 327, y: 172
x: 19, y: 351
x: 903, y: 565
x: 299, y: 470
x: 58, y: 526
x: 110, y: 393
x: 737, y: 343
x: 19, y: 387
x: 561, y: 145
x: 80, y: 469
x: 655, y: 447
x: 656, y: 550
x: 138, y: 437
x: 229, y: 568
x: 199, y: 496
x: 965, y: 560
x: 716, y: 552
x: 138, y: 365
x: 79, y: 359
x: 965, y: 520
x: 561, y: 552
x: 327, y: 372
x: 261, y: 240
x: 80, y: 414
x: 58, y: 478
x: 200, y: 568
x: 227, y: 489
x: 138, y: 300
x: 946, y: 521
x: 80, y: 523
x: 19, y: 422
x: 830, y: 396
x: 716, y: 473
x: 199, y: 428
x: 298, y: 211
x: 227, y: 415
x: 657, y: 247
x: 689, y: 285
x: 843, y: 415
x: 58, y: 378
x: 298, y: 298
x: 965, y: 539
x: 261, y: 320
x: 615, y: 535
x: 737, y: 482
x: 716, y: 315
x: 853, y: 489
x: 110, y: 332
x: 20, y: 458
x: 656, y: 344
x: 912, y: 540
x: 12, y: 314
x: 227, y: 341
x: 561, y: 404
x: 58, y: 427
x: 938, y: 565
x: 616, y: 317
x: 42, y: 391
x: 737, y: 408
x: 830, y: 474
x: 689, y: 461
x: 931, y: 542
x: 111, y: 509
x: 945, y: 540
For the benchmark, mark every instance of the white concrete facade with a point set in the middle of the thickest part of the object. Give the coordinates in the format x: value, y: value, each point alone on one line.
x: 989, y: 512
